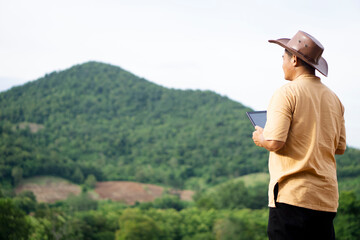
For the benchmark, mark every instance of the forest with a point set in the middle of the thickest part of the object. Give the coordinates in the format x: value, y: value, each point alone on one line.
x: 98, y: 122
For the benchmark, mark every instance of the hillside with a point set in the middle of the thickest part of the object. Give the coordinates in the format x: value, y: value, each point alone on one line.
x: 99, y: 120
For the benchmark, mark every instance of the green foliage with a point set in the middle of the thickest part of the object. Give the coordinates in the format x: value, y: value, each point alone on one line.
x: 96, y: 226
x: 233, y: 228
x: 63, y: 225
x: 165, y: 202
x: 13, y: 222
x: 114, y: 220
x: 348, y: 165
x: 40, y: 228
x: 96, y: 122
x: 350, y: 184
x: 244, y: 224
x: 233, y: 195
x: 26, y: 201
x: 17, y: 174
x: 98, y: 119
x: 134, y: 226
x: 83, y: 202
x: 6, y: 190
x: 90, y: 181
x: 193, y: 223
x: 347, y: 221
x: 201, y: 236
x: 78, y: 176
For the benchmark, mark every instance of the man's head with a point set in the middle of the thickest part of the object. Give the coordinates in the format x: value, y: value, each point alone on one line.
x: 293, y: 66
x: 306, y: 52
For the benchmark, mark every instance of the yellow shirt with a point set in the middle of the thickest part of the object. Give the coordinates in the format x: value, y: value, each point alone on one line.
x: 309, y: 118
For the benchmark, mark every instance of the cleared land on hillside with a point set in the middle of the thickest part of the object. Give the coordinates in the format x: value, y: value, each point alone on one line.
x: 51, y: 189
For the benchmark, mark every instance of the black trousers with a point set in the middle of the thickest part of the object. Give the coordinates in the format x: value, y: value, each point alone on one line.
x: 287, y: 222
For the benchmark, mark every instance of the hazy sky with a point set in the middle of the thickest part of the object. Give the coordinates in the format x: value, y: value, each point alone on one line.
x: 188, y: 44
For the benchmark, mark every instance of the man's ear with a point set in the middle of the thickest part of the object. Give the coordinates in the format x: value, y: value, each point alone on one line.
x: 294, y: 61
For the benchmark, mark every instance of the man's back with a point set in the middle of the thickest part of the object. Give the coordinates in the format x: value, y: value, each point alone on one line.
x: 308, y: 117
x: 305, y: 128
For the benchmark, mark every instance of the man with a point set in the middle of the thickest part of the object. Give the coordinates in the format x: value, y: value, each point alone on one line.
x: 305, y: 128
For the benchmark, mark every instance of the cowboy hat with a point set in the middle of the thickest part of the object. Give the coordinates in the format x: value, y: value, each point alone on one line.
x: 307, y: 48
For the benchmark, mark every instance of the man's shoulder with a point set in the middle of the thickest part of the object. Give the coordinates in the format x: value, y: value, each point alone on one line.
x: 284, y: 94
x: 286, y: 88
x: 303, y: 82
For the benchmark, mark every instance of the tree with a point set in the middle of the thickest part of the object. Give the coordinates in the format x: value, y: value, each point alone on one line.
x: 17, y: 174
x: 136, y: 226
x: 347, y: 221
x: 95, y: 226
x: 229, y: 195
x: 57, y: 224
x: 13, y: 223
x: 236, y: 228
x: 90, y: 181
x: 78, y: 176
x: 40, y: 228
x: 26, y: 201
x: 83, y: 202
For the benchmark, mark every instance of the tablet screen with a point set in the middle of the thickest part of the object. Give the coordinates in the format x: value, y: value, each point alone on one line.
x: 257, y: 118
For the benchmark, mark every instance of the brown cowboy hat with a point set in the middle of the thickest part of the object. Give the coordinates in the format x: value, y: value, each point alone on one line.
x: 307, y: 48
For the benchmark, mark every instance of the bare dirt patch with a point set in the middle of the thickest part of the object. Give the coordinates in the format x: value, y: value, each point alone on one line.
x: 128, y: 192
x: 132, y: 192
x: 34, y: 127
x: 52, y: 189
x: 49, y: 189
x: 186, y: 195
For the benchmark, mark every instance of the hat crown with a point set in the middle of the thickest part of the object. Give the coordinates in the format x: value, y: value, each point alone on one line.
x: 307, y: 48
x: 306, y: 45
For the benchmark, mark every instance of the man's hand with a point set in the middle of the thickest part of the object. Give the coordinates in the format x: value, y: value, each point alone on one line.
x: 340, y: 151
x: 270, y: 145
x: 258, y: 137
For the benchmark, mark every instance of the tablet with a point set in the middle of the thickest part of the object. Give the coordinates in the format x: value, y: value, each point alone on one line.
x: 257, y: 118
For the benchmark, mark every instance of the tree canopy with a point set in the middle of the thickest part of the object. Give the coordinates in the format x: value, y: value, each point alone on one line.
x: 97, y: 119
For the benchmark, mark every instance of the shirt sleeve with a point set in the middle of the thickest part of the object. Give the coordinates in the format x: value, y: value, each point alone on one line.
x: 279, y: 116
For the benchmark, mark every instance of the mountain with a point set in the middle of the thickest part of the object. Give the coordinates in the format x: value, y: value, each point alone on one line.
x: 98, y: 119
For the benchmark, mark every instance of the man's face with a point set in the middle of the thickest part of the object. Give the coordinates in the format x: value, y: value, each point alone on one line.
x: 287, y: 66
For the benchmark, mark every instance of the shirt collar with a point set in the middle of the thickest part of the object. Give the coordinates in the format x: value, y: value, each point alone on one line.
x: 307, y: 76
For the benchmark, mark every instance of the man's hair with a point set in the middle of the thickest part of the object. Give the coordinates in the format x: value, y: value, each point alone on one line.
x: 302, y: 62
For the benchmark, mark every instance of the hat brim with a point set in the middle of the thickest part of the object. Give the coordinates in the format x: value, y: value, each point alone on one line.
x: 321, y: 65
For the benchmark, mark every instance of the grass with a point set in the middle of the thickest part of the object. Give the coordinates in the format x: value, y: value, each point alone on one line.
x: 249, y: 181
x: 254, y: 178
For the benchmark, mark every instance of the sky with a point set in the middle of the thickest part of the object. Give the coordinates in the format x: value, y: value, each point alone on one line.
x: 214, y: 45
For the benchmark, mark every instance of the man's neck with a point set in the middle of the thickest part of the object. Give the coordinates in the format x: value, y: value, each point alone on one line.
x: 301, y: 71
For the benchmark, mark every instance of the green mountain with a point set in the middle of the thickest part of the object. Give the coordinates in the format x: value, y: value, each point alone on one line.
x: 98, y: 119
